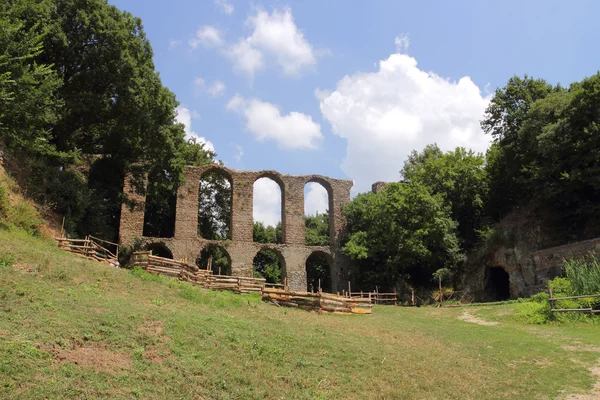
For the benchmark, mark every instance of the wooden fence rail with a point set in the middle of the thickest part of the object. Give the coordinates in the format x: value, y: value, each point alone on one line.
x: 321, y: 302
x: 91, y: 249
x: 271, y: 292
x: 375, y: 297
x: 589, y: 310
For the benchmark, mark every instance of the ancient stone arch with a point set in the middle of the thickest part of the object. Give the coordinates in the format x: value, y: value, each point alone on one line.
x: 186, y: 243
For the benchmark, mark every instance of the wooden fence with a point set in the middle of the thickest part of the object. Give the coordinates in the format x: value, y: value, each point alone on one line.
x: 91, y: 248
x: 589, y: 310
x: 191, y: 273
x: 320, y: 302
x: 271, y: 292
x: 375, y: 297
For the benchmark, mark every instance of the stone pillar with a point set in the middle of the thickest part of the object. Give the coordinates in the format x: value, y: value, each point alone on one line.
x: 242, y: 222
x: 132, y: 213
x: 186, y: 215
x: 295, y: 267
x: 242, y: 255
x: 340, y: 191
x: 294, y: 229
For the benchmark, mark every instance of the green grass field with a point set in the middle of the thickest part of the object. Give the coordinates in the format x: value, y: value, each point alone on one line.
x: 70, y: 328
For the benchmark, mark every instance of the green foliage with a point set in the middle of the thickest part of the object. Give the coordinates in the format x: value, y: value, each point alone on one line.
x: 266, y: 234
x: 318, y: 271
x: 459, y: 176
x: 214, y: 207
x: 583, y: 275
x: 317, y: 229
x: 267, y: 264
x: 6, y: 260
x: 218, y: 257
x: 401, y: 233
x: 77, y: 80
x: 442, y: 274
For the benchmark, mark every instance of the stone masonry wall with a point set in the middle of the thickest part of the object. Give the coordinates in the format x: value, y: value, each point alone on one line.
x: 187, y: 244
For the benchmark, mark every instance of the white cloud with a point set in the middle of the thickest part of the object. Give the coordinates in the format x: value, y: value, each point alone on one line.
x: 206, y: 36
x: 402, y: 43
x: 174, y: 43
x: 225, y: 6
x: 315, y: 199
x: 245, y: 57
x: 199, y: 82
x: 216, y: 89
x: 265, y: 122
x: 239, y: 154
x: 384, y: 115
x: 276, y: 35
x: 267, y: 202
x: 184, y: 116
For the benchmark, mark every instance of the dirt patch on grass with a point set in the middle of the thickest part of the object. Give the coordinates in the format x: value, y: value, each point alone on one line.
x: 159, y: 351
x: 594, y: 394
x: 94, y: 356
x: 581, y: 347
x: 467, y: 317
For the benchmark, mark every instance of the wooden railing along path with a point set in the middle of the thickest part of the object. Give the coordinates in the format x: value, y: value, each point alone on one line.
x: 275, y: 293
x: 588, y: 310
x: 91, y: 249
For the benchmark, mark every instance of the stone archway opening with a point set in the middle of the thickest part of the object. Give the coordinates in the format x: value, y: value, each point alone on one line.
x: 214, y: 205
x: 318, y: 272
x: 160, y: 206
x: 267, y: 210
x: 216, y: 259
x: 497, y: 287
x: 160, y: 250
x: 270, y: 265
x: 316, y: 214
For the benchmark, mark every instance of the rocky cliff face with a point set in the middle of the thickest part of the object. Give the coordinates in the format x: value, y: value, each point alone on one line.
x: 511, y: 248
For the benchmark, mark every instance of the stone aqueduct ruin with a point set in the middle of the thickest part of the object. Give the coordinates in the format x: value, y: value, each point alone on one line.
x: 187, y: 244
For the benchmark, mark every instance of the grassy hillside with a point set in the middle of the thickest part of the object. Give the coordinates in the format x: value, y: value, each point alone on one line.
x: 72, y: 328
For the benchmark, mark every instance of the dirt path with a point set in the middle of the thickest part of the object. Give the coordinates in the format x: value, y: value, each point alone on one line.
x: 468, y: 317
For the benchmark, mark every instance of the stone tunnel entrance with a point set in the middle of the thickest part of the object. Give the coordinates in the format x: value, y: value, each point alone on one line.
x: 497, y: 286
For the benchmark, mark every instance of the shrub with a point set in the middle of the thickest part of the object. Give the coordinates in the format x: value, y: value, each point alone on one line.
x: 583, y: 275
x: 24, y: 215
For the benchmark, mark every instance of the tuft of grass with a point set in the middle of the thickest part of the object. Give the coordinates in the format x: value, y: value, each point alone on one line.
x: 583, y: 275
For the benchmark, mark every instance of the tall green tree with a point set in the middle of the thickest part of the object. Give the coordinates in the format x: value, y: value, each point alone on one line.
x: 507, y: 112
x: 402, y: 234
x: 460, y: 177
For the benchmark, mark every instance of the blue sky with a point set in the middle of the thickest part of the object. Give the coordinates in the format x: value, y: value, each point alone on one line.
x: 346, y: 88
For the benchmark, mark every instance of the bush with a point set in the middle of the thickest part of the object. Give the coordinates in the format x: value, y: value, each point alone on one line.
x: 584, y: 275
x: 24, y: 215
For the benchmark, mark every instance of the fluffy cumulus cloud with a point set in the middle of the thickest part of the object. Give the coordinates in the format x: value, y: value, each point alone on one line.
x: 267, y: 202
x: 274, y: 36
x: 266, y: 123
x: 384, y: 115
x: 316, y: 199
x: 184, y: 116
x: 206, y: 36
x: 224, y: 6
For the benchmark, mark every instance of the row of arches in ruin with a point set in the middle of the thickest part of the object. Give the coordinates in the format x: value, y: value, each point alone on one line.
x: 268, y: 263
x: 215, y: 207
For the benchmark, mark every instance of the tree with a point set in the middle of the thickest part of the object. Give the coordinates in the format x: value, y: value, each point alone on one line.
x: 317, y: 229
x: 403, y: 233
x: 80, y: 84
x: 266, y: 234
x: 439, y: 276
x: 507, y: 112
x: 460, y: 177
